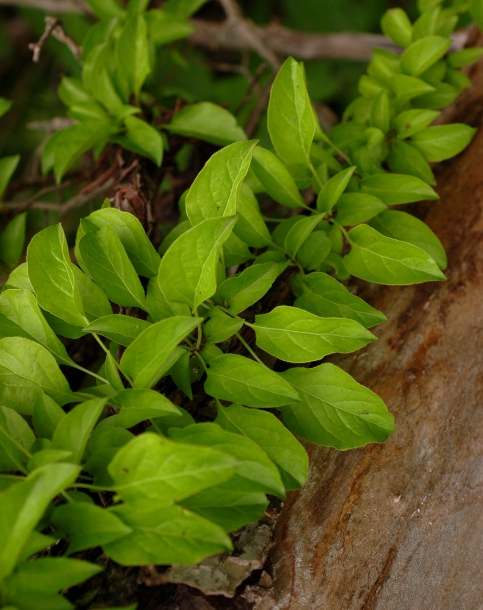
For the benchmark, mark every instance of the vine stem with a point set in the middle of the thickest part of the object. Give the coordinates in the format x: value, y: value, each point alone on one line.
x: 249, y: 349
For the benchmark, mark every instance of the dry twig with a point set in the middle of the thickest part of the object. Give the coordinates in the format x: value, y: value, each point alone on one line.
x: 54, y: 29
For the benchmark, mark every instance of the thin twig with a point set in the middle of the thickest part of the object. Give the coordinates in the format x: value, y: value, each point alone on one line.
x: 34, y: 202
x: 51, y: 6
x: 54, y: 29
x: 82, y: 198
x: 52, y: 125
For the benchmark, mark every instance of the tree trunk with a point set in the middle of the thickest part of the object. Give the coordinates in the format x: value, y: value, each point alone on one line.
x: 399, y: 526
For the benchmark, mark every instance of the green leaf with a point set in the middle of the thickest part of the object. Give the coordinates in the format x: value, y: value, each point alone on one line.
x: 354, y: 208
x: 396, y: 25
x: 397, y: 188
x: 7, y: 167
x: 118, y: 328
x: 180, y: 374
x: 12, y: 240
x: 143, y: 360
x: 465, y: 57
x: 73, y: 430
x: 291, y: 121
x: 335, y: 410
x: 275, y: 178
x: 88, y: 525
x: 152, y: 470
x: 295, y: 335
x: 238, y: 379
x: 38, y: 581
x: 324, y: 296
x: 71, y: 143
x: 207, y: 122
x: 52, y: 277
x: 142, y: 138
x: 19, y: 278
x: 107, y: 262
x: 133, y: 237
x: 243, y: 290
x: 216, y: 189
x: 183, y: 9
x: 477, y: 12
x: 272, y: 436
x: 132, y: 53
x: 255, y: 470
x: 138, y: 405
x: 333, y: 189
x: 408, y: 87
x: 235, y: 251
x: 96, y: 76
x: 221, y: 328
x: 251, y: 227
x: 47, y: 456
x: 383, y: 260
x: 106, y: 9
x: 423, y: 53
x: 405, y: 227
x: 94, y: 301
x: 443, y: 141
x: 46, y: 415
x: 406, y: 159
x: 24, y: 504
x: 27, y: 368
x: 164, y: 28
x: 5, y: 106
x: 20, y: 316
x: 165, y: 536
x: 314, y: 250
x: 299, y: 233
x: 409, y: 122
x: 187, y: 272
x: 16, y: 440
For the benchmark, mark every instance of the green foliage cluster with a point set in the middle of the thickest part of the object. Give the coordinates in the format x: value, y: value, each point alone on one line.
x: 123, y: 467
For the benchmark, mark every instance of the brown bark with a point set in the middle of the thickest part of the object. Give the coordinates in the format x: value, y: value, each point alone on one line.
x: 399, y: 526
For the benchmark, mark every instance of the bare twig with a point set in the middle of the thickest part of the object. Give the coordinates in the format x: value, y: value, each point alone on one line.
x: 54, y: 29
x: 52, y: 125
x: 33, y: 202
x: 82, y: 198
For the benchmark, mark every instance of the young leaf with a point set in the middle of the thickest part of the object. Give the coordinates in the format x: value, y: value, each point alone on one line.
x: 133, y: 56
x: 94, y: 301
x: 423, y: 53
x: 152, y: 470
x: 221, y: 328
x: 272, y: 436
x: 107, y: 262
x: 143, y: 360
x: 24, y: 504
x: 207, y: 122
x: 397, y: 188
x: 165, y: 536
x: 408, y: 87
x: 73, y: 430
x: 333, y: 189
x: 164, y: 28
x: 27, y: 368
x: 464, y: 57
x: 142, y: 138
x: 291, y: 121
x: 12, y: 240
x: 443, y: 141
x: 235, y: 251
x: 138, y: 405
x: 106, y: 9
x: 299, y: 233
x: 251, y: 227
x: 249, y: 287
x: 295, y: 335
x: 180, y: 374
x: 405, y: 227
x: 183, y: 9
x: 7, y: 167
x: 314, y: 250
x: 396, y: 25
x: 187, y: 272
x: 215, y: 191
x: 255, y: 470
x: 52, y: 277
x: 275, y: 178
x: 20, y: 316
x: 406, y: 159
x: 383, y: 260
x: 88, y: 525
x: 133, y: 237
x: 5, y: 106
x: 16, y: 440
x: 324, y: 296
x: 238, y: 379
x: 46, y: 416
x: 335, y: 410
x: 354, y: 208
x: 118, y: 328
x: 409, y: 122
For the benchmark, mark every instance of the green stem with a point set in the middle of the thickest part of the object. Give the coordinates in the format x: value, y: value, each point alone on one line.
x: 81, y: 368
x: 98, y: 339
x: 249, y: 349
x: 203, y: 363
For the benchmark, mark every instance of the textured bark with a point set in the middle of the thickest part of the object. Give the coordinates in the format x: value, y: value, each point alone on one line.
x: 399, y: 526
